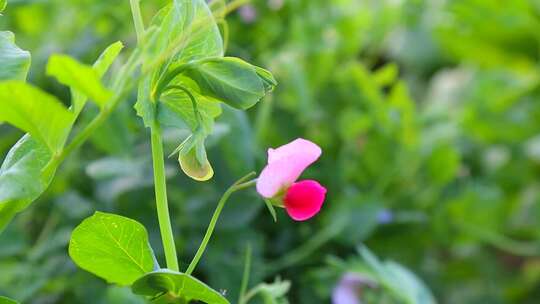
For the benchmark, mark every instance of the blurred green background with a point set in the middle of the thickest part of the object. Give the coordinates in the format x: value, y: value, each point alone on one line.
x: 428, y: 113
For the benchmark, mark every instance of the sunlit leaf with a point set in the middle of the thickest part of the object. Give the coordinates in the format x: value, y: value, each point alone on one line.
x: 27, y: 169
x: 112, y: 247
x: 176, y: 286
x: 78, y: 76
x: 36, y: 112
x: 101, y: 66
x: 14, y: 62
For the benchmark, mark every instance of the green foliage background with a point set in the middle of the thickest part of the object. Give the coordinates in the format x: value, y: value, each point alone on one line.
x: 428, y: 114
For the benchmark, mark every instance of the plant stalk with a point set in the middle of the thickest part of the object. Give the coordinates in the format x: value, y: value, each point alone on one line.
x: 161, y: 199
x: 137, y: 20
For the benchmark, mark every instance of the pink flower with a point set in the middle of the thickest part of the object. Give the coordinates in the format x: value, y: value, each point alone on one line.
x: 277, y: 181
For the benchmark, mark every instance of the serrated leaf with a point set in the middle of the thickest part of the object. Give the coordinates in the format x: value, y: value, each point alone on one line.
x: 230, y: 80
x: 175, y: 287
x: 25, y: 107
x: 78, y: 76
x: 14, y: 62
x: 112, y: 247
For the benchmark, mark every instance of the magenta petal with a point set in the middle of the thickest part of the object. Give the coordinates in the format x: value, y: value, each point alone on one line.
x: 285, y: 165
x: 304, y: 199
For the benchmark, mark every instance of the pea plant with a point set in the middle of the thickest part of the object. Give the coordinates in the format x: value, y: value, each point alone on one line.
x: 182, y: 77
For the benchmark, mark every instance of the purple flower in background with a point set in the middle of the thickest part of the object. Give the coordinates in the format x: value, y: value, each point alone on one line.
x: 348, y: 290
x: 385, y: 216
x: 248, y: 13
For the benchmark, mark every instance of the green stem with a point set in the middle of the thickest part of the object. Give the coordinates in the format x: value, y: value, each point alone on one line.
x: 161, y: 199
x: 239, y: 185
x: 137, y: 20
x: 245, y: 276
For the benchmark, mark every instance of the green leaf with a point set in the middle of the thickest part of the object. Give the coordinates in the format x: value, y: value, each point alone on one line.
x: 183, y: 31
x: 23, y: 175
x: 267, y: 78
x: 14, y: 61
x: 397, y: 279
x: 4, y: 300
x: 230, y: 80
x: 271, y: 209
x: 79, y: 77
x: 21, y: 178
x: 107, y: 57
x: 176, y: 286
x: 101, y: 66
x: 176, y: 110
x: 25, y: 107
x: 190, y: 26
x: 112, y: 247
x: 275, y: 292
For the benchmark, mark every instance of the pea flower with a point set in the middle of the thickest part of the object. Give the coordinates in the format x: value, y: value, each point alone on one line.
x: 349, y: 289
x: 277, y: 182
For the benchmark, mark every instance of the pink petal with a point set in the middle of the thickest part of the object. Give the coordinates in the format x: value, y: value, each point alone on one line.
x: 285, y: 165
x: 298, y: 147
x: 304, y: 199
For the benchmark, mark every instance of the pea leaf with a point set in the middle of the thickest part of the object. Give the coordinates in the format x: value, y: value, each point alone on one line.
x: 14, y: 61
x: 21, y: 179
x: 189, y: 26
x: 230, y: 80
x: 112, y: 247
x: 184, y: 30
x: 78, y: 76
x: 25, y: 107
x: 176, y: 110
x: 102, y: 64
x: 23, y: 174
x: 3, y: 4
x: 176, y: 286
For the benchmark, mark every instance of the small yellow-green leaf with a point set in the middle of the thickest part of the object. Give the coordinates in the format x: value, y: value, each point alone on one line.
x: 112, y: 247
x: 194, y: 162
x: 3, y: 4
x: 78, y: 76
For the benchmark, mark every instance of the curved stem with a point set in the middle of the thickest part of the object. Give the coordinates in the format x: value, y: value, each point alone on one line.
x: 161, y: 199
x: 239, y: 185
